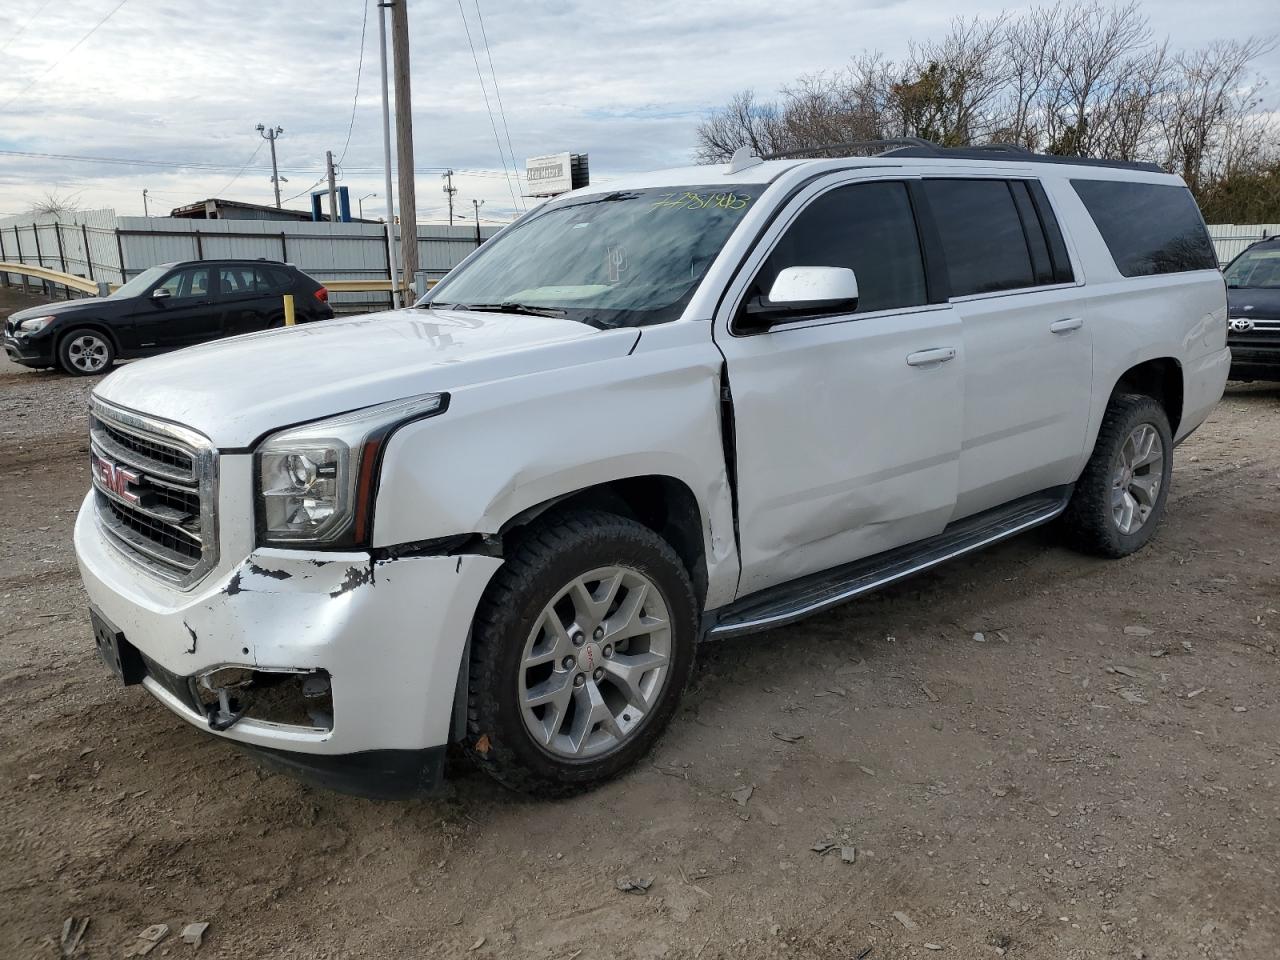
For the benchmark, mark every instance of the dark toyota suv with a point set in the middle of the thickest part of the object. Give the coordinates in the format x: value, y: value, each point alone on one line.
x: 1253, y: 306
x: 163, y: 308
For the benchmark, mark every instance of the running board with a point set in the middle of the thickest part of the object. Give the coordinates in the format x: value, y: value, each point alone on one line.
x: 789, y: 602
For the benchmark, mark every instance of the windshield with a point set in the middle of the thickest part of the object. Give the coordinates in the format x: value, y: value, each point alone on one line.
x: 624, y: 259
x: 140, y: 283
x: 1259, y: 267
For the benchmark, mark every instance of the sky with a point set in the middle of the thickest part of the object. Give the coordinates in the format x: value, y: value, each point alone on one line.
x: 184, y: 82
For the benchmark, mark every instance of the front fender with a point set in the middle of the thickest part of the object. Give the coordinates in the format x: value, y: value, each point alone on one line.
x: 506, y: 446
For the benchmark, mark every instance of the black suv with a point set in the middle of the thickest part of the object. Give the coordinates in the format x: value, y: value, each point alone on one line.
x: 163, y: 308
x: 1253, y: 309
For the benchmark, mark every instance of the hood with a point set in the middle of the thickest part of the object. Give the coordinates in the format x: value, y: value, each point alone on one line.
x: 55, y: 309
x: 234, y: 391
x: 1255, y: 303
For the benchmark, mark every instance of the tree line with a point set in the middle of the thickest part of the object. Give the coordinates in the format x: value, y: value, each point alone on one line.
x: 1088, y: 80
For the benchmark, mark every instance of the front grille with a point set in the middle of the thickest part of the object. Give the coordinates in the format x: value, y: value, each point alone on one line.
x: 155, y: 488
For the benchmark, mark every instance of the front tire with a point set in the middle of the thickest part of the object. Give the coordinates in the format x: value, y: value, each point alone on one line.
x: 582, y: 646
x: 1120, y: 497
x: 85, y: 352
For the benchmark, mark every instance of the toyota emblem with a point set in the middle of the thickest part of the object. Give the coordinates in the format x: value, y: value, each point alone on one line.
x: 1241, y: 325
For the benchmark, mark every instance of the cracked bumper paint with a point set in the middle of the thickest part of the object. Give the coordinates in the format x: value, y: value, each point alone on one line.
x: 390, y: 633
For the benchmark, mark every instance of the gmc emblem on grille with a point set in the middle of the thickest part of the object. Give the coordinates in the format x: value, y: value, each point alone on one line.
x: 116, y: 479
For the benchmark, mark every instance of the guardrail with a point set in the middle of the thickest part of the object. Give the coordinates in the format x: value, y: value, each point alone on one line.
x: 92, y: 287
x: 100, y: 288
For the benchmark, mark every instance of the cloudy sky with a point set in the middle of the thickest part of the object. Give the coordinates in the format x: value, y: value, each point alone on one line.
x: 184, y: 83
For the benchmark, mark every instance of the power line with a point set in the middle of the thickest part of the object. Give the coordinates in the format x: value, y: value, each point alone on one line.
x: 253, y: 157
x: 206, y: 165
x: 498, y: 93
x: 74, y: 48
x: 485, y: 93
x: 364, y: 23
x: 21, y: 29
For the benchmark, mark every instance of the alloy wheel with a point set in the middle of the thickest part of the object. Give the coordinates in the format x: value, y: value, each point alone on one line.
x: 1135, y: 485
x: 595, y: 663
x: 88, y: 353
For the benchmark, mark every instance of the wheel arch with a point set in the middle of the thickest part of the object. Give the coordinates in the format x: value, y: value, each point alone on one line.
x: 98, y: 326
x: 1159, y: 378
x: 664, y: 504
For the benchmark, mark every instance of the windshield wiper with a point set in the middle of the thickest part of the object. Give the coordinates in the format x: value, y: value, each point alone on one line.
x: 511, y: 307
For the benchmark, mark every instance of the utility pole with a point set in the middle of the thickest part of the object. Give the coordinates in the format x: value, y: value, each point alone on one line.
x: 145, y: 212
x: 404, y: 140
x: 386, y: 161
x: 269, y: 134
x: 449, y: 191
x: 360, y: 203
x: 333, y: 187
x: 477, y: 204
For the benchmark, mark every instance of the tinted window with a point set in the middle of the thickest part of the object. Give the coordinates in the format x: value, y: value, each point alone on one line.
x: 867, y: 227
x: 1148, y: 227
x: 981, y: 234
x: 274, y: 280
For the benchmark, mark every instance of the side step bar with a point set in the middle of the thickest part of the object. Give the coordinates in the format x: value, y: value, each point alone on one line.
x: 789, y: 602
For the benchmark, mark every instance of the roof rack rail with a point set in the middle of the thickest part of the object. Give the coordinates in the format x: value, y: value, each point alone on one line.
x: 890, y: 142
x: 919, y: 147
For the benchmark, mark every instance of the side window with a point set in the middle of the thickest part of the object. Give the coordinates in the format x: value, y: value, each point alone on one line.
x: 1149, y: 228
x: 273, y: 280
x: 982, y: 238
x: 193, y: 282
x: 236, y: 281
x: 868, y: 227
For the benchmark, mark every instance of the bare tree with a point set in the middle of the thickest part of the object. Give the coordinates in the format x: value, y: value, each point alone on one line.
x: 744, y: 122
x: 52, y: 203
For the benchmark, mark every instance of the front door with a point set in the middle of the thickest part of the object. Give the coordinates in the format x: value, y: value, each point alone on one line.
x: 188, y: 313
x: 847, y: 426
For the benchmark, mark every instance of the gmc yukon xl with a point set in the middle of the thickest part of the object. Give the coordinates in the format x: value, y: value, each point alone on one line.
x: 679, y: 406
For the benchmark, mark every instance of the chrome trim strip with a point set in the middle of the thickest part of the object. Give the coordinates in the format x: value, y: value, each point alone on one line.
x: 134, y: 547
x: 115, y: 451
x: 791, y: 616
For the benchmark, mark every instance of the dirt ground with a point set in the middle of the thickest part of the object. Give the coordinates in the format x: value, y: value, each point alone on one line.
x: 1027, y: 754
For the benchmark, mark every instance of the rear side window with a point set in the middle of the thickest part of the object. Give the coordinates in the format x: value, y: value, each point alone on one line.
x: 1150, y: 228
x: 867, y: 227
x: 274, y: 280
x: 983, y: 241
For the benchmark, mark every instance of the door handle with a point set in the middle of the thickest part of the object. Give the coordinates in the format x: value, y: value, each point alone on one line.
x: 927, y: 358
x: 1066, y: 326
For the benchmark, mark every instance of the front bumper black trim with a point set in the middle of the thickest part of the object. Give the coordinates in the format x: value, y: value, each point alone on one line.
x: 375, y: 774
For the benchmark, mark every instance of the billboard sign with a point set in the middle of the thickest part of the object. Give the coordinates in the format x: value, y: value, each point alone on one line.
x: 549, y: 175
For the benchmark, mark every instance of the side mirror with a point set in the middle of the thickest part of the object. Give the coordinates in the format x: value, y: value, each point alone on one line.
x: 804, y: 291
x: 160, y: 293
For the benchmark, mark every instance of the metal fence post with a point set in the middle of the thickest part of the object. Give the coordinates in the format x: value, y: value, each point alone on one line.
x: 88, y: 257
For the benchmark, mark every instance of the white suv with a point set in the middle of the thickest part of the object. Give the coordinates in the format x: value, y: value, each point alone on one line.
x: 694, y: 403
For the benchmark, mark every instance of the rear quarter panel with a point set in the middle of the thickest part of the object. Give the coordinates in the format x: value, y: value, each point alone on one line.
x: 1135, y: 319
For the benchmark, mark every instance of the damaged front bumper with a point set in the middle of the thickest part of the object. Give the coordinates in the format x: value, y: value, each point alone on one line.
x: 334, y: 666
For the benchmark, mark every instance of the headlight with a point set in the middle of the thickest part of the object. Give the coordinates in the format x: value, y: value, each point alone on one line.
x: 316, y: 482
x: 33, y: 325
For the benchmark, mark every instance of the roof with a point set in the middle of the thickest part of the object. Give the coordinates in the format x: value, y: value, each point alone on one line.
x: 199, y: 206
x: 910, y: 154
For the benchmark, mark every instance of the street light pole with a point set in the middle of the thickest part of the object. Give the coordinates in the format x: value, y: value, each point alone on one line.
x: 269, y: 134
x: 360, y: 203
x: 477, y: 204
x: 386, y: 161
x: 145, y: 212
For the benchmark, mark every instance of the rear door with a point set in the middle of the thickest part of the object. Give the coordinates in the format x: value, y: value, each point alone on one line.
x: 245, y: 298
x: 188, y: 315
x: 847, y: 425
x: 1027, y: 342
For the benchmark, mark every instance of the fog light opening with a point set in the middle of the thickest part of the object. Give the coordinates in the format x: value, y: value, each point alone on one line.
x: 292, y: 698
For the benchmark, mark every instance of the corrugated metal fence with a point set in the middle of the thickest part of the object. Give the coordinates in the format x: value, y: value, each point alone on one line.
x: 101, y: 246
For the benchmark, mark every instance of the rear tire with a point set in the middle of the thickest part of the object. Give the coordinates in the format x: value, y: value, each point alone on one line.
x: 581, y: 648
x: 1120, y: 497
x: 85, y: 352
